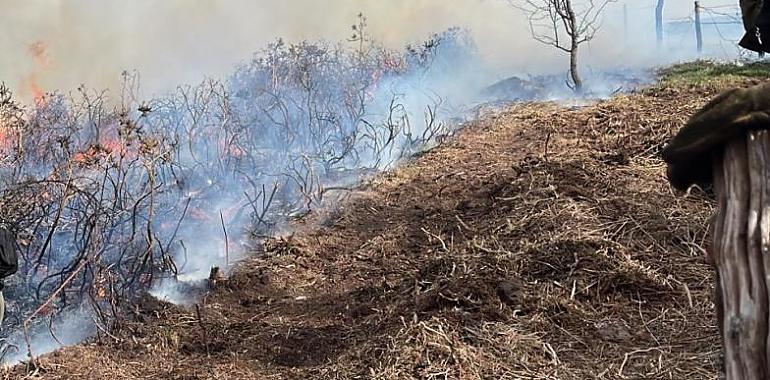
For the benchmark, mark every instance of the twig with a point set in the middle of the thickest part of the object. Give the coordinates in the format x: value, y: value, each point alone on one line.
x: 629, y: 354
x: 48, y: 302
x: 203, y: 329
x: 227, y: 243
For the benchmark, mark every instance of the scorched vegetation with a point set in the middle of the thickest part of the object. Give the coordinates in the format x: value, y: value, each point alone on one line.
x: 110, y: 201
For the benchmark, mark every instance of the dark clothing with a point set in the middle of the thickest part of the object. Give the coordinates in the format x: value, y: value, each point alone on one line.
x: 9, y: 260
x: 756, y: 21
x: 732, y: 113
x: 750, y: 10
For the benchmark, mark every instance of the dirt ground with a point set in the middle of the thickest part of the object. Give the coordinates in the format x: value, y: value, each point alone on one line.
x: 544, y: 242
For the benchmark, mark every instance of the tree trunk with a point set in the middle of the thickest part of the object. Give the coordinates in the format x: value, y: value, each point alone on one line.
x: 741, y: 254
x: 573, y: 68
x: 575, y: 36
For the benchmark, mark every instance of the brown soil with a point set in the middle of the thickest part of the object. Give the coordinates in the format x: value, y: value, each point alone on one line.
x: 544, y: 242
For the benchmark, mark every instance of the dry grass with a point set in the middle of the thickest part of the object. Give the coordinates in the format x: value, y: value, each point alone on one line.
x: 543, y: 243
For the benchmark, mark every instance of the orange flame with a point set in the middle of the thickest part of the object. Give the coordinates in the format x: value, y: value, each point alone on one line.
x: 7, y: 140
x: 8, y: 136
x: 230, y: 149
x: 113, y: 145
x: 30, y: 84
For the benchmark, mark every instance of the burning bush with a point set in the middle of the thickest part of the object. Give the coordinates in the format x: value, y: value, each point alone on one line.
x: 111, y: 201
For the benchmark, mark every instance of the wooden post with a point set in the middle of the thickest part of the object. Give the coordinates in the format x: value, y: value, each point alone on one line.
x: 741, y: 254
x: 733, y: 131
x: 625, y: 19
x: 659, y: 22
x: 698, y: 29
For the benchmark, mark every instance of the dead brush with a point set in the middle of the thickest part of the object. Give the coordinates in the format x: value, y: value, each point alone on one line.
x: 109, y: 197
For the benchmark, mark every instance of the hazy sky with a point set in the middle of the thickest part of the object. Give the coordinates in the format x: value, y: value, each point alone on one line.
x: 62, y: 43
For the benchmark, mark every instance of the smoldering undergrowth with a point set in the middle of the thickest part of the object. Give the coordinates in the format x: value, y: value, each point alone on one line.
x: 112, y: 196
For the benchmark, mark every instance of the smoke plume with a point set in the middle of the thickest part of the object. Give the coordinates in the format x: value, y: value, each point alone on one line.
x: 198, y: 147
x: 177, y: 41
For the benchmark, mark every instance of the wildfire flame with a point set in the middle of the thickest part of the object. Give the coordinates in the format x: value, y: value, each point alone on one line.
x: 106, y: 148
x: 8, y: 137
x: 30, y: 84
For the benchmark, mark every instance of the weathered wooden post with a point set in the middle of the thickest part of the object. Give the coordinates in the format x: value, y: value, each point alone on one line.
x: 659, y: 22
x: 698, y: 28
x: 727, y: 144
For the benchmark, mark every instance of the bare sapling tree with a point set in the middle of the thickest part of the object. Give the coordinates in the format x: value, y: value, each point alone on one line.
x: 565, y: 25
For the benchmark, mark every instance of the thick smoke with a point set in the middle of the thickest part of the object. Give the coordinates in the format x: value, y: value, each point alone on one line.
x: 91, y: 41
x: 151, y: 195
x: 63, y: 330
x: 150, y: 184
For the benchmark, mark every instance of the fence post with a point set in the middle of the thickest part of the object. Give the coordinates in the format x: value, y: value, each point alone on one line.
x: 659, y: 22
x: 740, y: 247
x: 727, y: 144
x: 625, y: 19
x: 698, y: 30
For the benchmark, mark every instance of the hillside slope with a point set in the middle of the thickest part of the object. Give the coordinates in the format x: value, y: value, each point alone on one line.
x: 542, y: 243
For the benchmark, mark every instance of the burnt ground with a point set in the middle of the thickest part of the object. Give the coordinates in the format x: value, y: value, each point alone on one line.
x: 542, y: 243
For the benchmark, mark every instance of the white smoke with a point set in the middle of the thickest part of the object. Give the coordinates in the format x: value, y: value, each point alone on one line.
x: 65, y: 329
x: 92, y: 41
x: 55, y: 45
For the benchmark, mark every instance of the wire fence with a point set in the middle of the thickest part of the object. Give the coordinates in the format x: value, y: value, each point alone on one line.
x: 721, y: 24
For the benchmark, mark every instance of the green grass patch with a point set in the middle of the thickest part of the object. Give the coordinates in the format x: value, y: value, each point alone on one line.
x: 708, y: 71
